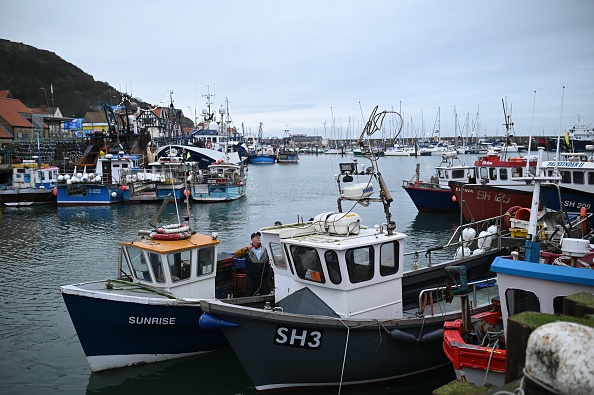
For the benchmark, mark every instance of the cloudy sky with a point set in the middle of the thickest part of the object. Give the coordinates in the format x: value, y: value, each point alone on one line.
x: 321, y: 66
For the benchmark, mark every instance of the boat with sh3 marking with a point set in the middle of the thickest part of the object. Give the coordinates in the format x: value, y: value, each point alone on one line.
x: 340, y: 315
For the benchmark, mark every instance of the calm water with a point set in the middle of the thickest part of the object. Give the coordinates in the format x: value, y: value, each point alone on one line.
x: 44, y: 247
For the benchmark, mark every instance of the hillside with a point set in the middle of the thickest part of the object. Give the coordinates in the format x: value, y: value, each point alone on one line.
x: 24, y: 70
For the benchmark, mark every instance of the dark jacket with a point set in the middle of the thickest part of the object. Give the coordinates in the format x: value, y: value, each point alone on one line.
x: 254, y: 266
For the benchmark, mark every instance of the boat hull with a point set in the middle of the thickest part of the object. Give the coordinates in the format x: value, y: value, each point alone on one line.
x: 117, y: 331
x: 478, y: 267
x: 88, y: 195
x: 432, y: 199
x: 217, y: 193
x: 262, y: 159
x: 479, y: 202
x: 27, y: 196
x: 573, y: 200
x: 321, y: 352
x: 472, y: 363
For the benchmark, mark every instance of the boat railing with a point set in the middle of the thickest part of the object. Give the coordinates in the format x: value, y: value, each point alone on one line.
x: 480, y: 293
x: 457, y: 240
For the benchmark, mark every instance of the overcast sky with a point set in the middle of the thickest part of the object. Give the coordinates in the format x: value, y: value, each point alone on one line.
x: 319, y: 67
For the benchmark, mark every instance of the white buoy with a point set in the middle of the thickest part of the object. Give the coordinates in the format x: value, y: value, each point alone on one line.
x: 560, y: 355
x: 484, y: 240
x: 459, y: 250
x: 467, y: 236
x: 114, y: 194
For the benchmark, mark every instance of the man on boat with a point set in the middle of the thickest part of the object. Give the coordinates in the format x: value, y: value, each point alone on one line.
x: 257, y: 266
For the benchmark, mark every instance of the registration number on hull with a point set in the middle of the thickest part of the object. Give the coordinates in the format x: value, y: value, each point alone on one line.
x: 298, y: 337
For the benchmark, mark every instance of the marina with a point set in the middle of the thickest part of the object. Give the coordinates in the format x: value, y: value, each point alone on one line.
x: 82, y: 241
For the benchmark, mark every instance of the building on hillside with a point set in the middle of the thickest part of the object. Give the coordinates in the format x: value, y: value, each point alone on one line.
x: 13, y: 119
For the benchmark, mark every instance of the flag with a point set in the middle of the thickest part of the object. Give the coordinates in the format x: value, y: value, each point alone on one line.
x: 566, y: 138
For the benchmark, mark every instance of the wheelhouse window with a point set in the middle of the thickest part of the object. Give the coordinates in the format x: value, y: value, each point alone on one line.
x: 519, y: 300
x: 493, y: 174
x: 457, y: 174
x: 578, y: 177
x: 278, y: 258
x: 389, y: 255
x: 307, y: 264
x: 332, y: 266
x: 565, y: 177
x: 591, y: 178
x: 360, y: 264
x: 502, y: 174
x: 179, y: 265
x: 138, y: 264
x: 155, y: 260
x: 206, y: 261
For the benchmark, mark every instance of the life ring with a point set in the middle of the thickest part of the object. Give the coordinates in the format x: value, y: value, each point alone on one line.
x: 173, y: 228
x: 522, y: 214
x: 208, y: 145
x: 506, y: 220
x: 170, y: 236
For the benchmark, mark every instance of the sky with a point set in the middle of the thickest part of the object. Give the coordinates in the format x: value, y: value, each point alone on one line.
x: 320, y: 67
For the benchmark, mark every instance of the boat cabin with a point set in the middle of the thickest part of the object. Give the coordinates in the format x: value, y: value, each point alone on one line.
x: 186, y: 268
x: 357, y: 271
x: 493, y: 169
x: 30, y: 175
x: 448, y: 170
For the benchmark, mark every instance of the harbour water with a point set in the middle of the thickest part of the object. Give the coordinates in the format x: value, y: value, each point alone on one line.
x: 44, y: 247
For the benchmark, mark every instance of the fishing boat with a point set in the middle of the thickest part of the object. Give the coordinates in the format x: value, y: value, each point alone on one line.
x: 435, y: 194
x: 32, y: 183
x: 339, y: 315
x: 530, y: 280
x: 261, y: 153
x: 95, y: 188
x: 287, y: 155
x: 221, y: 182
x: 149, y: 311
x: 576, y: 186
x: 210, y: 141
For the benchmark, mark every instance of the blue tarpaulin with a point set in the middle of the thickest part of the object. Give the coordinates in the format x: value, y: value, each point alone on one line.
x: 76, y: 123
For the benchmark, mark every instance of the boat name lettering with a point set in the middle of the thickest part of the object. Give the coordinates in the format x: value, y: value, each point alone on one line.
x: 298, y: 337
x: 152, y: 320
x: 564, y: 164
x: 486, y: 163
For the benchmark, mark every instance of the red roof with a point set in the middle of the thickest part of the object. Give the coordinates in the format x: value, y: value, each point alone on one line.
x: 4, y: 134
x: 10, y: 110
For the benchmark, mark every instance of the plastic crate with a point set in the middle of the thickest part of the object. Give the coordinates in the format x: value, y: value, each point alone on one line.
x: 239, y: 263
x: 515, y: 232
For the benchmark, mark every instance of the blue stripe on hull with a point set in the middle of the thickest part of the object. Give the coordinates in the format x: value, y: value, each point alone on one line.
x: 432, y: 199
x: 106, y: 327
x: 88, y: 194
x: 262, y: 159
